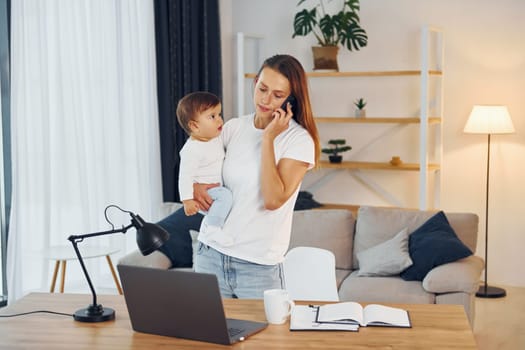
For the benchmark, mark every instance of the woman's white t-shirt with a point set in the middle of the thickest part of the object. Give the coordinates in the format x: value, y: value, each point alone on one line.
x: 251, y: 232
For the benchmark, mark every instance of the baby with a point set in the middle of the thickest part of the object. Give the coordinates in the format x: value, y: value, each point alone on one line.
x: 201, y: 157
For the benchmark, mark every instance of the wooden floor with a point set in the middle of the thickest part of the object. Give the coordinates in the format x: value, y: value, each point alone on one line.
x: 500, y: 323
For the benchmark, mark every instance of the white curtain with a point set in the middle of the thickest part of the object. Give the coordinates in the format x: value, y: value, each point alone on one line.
x: 84, y: 131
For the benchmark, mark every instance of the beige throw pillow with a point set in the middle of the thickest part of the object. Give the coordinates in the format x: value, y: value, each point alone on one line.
x: 386, y: 259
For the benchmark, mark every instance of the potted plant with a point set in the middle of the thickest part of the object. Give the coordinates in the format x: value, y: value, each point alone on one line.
x: 360, y: 112
x: 337, y: 146
x: 341, y: 28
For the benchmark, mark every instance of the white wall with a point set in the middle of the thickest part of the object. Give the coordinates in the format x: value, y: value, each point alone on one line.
x: 484, y: 64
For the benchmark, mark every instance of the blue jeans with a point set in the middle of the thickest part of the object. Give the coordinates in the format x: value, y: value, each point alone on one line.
x: 238, y: 278
x: 178, y: 248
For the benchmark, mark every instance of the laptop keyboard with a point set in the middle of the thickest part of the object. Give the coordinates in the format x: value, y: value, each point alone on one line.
x: 234, y: 331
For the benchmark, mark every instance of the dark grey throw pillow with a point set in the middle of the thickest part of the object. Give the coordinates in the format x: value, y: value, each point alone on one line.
x: 434, y: 243
x: 305, y: 200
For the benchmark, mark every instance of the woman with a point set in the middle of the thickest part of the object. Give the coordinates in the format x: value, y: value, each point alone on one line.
x: 267, y: 155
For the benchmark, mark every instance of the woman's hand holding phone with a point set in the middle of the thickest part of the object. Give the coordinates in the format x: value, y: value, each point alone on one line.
x: 290, y: 99
x: 281, y: 120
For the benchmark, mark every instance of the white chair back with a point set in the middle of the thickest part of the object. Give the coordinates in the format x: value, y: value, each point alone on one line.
x: 309, y: 274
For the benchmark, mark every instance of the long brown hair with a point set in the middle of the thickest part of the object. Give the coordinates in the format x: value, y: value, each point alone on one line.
x: 292, y: 69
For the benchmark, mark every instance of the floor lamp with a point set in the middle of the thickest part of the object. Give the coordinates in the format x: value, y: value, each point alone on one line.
x: 489, y: 120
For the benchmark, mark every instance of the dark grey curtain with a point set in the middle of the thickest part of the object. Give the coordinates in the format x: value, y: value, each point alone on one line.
x: 5, y: 114
x: 187, y: 34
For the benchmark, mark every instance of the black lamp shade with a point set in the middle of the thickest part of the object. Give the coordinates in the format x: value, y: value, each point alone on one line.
x: 150, y: 237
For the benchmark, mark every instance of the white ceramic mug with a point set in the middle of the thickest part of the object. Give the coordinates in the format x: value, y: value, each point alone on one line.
x: 277, y: 305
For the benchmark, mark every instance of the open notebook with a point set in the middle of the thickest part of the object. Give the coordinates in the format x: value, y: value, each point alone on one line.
x: 347, y: 316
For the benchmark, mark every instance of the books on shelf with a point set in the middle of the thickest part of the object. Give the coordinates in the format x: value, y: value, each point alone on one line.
x: 341, y: 316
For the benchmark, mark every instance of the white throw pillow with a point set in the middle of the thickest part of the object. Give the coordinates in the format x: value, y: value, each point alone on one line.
x: 386, y: 259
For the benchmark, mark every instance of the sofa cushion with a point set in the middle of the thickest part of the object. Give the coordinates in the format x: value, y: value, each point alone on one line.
x: 434, y: 243
x: 466, y: 227
x: 386, y: 259
x: 458, y: 276
x: 340, y: 275
x: 154, y: 260
x: 384, y: 290
x: 378, y: 224
x: 328, y: 229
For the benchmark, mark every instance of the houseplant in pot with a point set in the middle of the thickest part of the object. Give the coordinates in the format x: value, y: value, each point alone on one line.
x: 342, y: 28
x: 360, y: 104
x: 336, y: 146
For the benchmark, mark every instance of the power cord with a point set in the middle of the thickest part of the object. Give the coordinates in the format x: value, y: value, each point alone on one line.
x: 37, y: 311
x: 117, y: 207
x: 61, y: 313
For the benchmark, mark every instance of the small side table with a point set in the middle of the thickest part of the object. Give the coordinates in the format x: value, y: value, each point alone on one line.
x: 61, y: 254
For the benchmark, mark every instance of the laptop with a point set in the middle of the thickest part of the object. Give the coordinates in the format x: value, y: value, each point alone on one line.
x: 182, y: 304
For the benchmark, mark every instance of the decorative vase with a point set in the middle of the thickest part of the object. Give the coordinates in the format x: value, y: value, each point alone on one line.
x: 335, y: 159
x: 325, y: 57
x: 396, y: 161
x: 360, y: 113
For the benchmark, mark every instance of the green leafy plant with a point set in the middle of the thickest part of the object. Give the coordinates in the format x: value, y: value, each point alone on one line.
x: 360, y: 103
x: 331, y: 30
x: 338, y: 146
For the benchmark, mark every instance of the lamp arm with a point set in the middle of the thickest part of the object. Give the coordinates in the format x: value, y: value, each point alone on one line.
x: 74, y: 239
x: 81, y: 261
x: 80, y: 238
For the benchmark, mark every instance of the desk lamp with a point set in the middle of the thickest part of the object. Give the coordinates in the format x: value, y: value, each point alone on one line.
x: 150, y: 237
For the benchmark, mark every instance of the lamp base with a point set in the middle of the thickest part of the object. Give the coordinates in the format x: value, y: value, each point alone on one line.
x: 94, y: 313
x: 490, y: 292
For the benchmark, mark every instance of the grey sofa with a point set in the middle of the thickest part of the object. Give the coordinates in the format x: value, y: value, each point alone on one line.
x: 340, y: 232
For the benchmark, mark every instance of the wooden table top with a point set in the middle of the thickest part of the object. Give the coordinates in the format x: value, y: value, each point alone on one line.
x: 433, y: 327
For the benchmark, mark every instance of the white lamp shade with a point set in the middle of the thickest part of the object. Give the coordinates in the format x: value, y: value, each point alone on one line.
x: 489, y: 120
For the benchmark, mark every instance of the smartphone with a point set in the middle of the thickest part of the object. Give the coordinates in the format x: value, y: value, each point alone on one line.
x: 291, y: 99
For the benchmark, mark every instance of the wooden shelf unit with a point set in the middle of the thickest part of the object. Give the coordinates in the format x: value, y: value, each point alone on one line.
x: 424, y: 120
x: 395, y: 73
x: 375, y: 166
x: 351, y: 207
x: 376, y: 120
